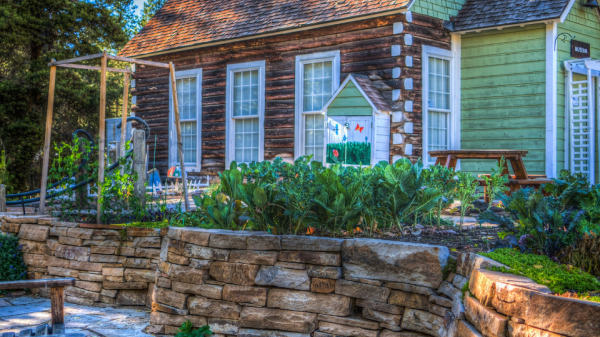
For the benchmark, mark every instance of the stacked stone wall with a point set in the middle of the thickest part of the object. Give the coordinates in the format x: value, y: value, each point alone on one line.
x: 112, y: 265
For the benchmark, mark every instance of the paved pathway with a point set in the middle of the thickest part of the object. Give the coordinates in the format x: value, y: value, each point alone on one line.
x: 18, y: 313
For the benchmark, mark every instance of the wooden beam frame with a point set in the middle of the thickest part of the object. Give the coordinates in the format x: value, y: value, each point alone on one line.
x: 124, y: 113
x: 101, y: 131
x: 47, y: 140
x: 179, y: 141
x: 76, y: 59
x: 82, y: 66
x: 136, y: 61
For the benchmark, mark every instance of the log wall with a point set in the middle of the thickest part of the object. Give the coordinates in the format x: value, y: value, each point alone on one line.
x: 365, y: 47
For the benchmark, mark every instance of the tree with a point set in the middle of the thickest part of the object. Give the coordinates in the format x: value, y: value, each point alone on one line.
x: 32, y: 32
x: 148, y: 11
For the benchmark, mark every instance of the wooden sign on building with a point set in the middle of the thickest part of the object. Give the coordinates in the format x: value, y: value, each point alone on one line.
x: 580, y: 49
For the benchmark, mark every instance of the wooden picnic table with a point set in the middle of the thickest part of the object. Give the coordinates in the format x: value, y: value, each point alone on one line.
x: 449, y: 158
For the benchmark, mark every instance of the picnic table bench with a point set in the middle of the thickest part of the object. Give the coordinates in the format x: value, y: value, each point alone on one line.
x: 449, y: 159
x: 57, y: 306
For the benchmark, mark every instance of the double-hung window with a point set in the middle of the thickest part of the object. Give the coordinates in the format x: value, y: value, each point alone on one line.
x: 245, y: 106
x: 189, y: 99
x: 437, y: 95
x: 317, y: 78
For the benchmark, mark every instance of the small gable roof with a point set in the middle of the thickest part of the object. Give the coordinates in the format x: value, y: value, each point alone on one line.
x: 490, y: 13
x: 183, y: 23
x: 367, y: 89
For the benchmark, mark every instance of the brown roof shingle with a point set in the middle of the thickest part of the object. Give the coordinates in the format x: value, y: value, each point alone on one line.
x: 182, y: 23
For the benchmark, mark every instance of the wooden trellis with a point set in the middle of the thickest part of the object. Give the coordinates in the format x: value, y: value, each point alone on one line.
x: 103, y: 69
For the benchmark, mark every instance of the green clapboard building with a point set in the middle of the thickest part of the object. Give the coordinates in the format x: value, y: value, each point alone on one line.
x: 526, y: 78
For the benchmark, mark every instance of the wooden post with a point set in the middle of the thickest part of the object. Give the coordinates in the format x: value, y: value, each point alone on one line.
x: 124, y: 113
x: 102, y: 132
x: 2, y: 198
x: 139, y: 164
x: 179, y: 142
x: 57, y: 305
x: 47, y: 139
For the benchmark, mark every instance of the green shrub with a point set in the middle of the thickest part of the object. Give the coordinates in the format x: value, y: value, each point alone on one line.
x: 559, y: 278
x: 12, y: 267
x: 450, y: 267
x: 187, y: 330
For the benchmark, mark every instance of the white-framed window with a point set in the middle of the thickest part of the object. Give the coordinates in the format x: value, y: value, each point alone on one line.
x: 189, y: 99
x: 317, y: 78
x: 245, y: 112
x: 438, y: 102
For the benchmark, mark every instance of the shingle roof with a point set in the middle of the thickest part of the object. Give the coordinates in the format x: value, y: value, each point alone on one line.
x: 371, y: 91
x: 490, y: 13
x: 181, y: 23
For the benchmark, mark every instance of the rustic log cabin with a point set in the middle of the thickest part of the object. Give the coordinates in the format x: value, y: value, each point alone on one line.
x: 254, y: 76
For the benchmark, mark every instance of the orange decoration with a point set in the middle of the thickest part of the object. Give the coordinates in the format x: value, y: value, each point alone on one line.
x: 359, y: 128
x: 356, y: 230
x: 310, y: 230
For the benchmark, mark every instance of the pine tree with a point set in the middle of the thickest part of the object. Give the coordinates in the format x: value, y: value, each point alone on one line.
x: 150, y: 8
x: 32, y: 32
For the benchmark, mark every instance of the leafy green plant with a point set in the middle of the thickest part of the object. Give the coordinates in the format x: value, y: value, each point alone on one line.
x: 441, y: 179
x: 585, y: 254
x: 560, y: 278
x: 496, y: 182
x: 12, y: 267
x: 466, y: 193
x: 187, y: 330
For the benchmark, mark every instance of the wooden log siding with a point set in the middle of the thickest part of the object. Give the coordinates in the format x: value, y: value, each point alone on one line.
x: 365, y: 48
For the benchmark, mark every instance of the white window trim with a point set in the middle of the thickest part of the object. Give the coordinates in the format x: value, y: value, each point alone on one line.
x: 189, y: 167
x: 229, y: 125
x: 454, y: 118
x: 333, y: 56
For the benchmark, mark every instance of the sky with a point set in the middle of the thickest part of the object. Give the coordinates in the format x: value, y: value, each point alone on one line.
x: 140, y: 5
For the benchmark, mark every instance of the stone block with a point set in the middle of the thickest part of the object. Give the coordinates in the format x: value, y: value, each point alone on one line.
x: 394, y: 261
x: 171, y: 299
x: 483, y: 284
x: 58, y: 271
x: 125, y: 251
x: 149, y: 253
x: 282, y: 278
x: 132, y: 297
x: 11, y: 227
x: 322, y: 285
x: 269, y: 333
x: 113, y: 271
x: 156, y: 306
x: 354, y: 320
x: 80, y: 233
x: 34, y: 232
x: 109, y: 292
x: 284, y: 320
x: 147, y: 242
x: 245, y: 294
x: 124, y: 285
x: 103, y: 250
x: 467, y: 330
x: 345, y: 330
x: 409, y: 300
x: 102, y: 243
x: 487, y: 321
x: 56, y: 262
x: 107, y: 258
x: 197, y: 236
x: 253, y: 257
x: 449, y: 290
x: 410, y: 288
x: 290, y: 265
x: 329, y: 304
x: 200, y: 264
x: 187, y: 274
x: 467, y: 262
x: 363, y: 291
x: 459, y: 281
x: 73, y: 253
x: 383, y: 307
x: 35, y: 260
x: 119, y: 279
x: 236, y: 273
x: 79, y: 300
x: 174, y: 233
x: 205, y: 290
x: 108, y: 300
x: 458, y: 309
x: 162, y: 318
x: 82, y: 293
x: 311, y: 243
x: 422, y: 321
x: 382, y: 317
x: 324, y: 272
x: 224, y: 326
x: 136, y: 263
x: 213, y: 308
x: 139, y: 275
x: 205, y: 253
x: 156, y: 329
x: 439, y: 300
x: 35, y: 247
x: 65, y: 240
x: 178, y: 259
x: 228, y: 240
x: 318, y: 258
x: 91, y: 277
x: 114, y: 234
x: 263, y: 242
x: 438, y: 309
x: 91, y: 286
x: 138, y: 231
x: 522, y: 330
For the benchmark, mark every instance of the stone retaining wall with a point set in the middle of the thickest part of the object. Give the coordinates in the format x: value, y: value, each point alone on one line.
x: 113, y: 265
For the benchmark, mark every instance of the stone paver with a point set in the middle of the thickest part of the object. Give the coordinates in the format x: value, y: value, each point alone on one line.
x: 19, y: 313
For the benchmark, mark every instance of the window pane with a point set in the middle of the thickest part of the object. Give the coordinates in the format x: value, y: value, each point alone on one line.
x: 245, y: 93
x: 246, y: 140
x: 314, y: 135
x: 318, y: 85
x: 439, y: 83
x: 187, y: 101
x: 437, y: 130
